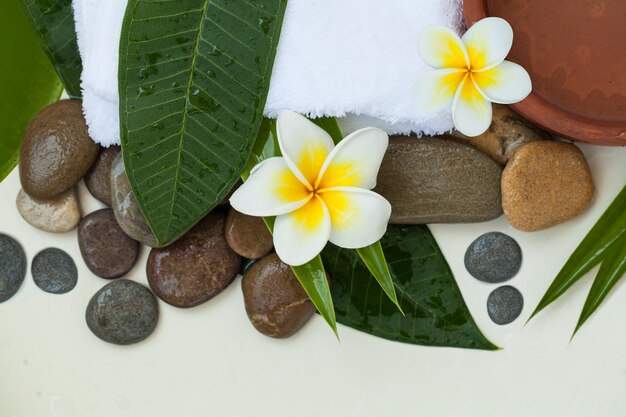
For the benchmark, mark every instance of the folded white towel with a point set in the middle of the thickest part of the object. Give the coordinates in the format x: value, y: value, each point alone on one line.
x: 354, y: 58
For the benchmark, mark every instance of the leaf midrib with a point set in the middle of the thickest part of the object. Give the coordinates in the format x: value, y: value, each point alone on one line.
x: 185, y: 115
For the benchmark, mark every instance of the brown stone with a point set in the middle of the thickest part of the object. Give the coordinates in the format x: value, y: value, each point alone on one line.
x: 439, y: 180
x: 276, y: 303
x: 57, y: 150
x: 196, y: 267
x: 126, y: 208
x: 107, y: 251
x: 98, y: 180
x: 508, y: 131
x: 57, y: 215
x: 247, y: 235
x: 544, y: 184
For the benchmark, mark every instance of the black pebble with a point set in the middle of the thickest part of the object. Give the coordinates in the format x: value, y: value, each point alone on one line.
x: 54, y: 271
x: 494, y: 257
x: 122, y: 312
x: 12, y: 267
x: 505, y: 304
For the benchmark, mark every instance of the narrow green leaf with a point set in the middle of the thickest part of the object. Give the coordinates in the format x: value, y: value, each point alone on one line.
x: 194, y: 77
x: 330, y: 125
x: 436, y: 314
x: 374, y: 258
x: 590, y: 252
x: 54, y: 22
x: 612, y: 270
x: 27, y: 81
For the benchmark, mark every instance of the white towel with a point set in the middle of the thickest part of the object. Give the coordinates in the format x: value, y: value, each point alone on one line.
x: 354, y: 58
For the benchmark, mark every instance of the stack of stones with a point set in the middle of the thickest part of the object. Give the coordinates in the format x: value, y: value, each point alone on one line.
x: 513, y: 168
x: 58, y: 153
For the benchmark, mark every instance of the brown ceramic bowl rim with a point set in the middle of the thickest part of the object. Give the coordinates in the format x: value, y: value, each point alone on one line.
x: 547, y: 116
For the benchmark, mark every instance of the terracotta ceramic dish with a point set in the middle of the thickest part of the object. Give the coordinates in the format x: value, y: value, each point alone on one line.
x: 575, y: 52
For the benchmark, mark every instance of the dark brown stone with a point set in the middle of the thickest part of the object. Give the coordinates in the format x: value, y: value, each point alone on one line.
x: 107, y: 251
x: 57, y: 150
x: 247, y: 235
x: 439, y: 180
x: 98, y: 180
x: 196, y: 267
x: 276, y: 303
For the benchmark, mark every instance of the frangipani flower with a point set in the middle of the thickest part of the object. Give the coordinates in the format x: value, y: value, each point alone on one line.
x: 318, y: 192
x: 470, y: 73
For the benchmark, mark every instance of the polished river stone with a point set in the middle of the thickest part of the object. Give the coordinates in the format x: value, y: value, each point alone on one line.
x: 12, y: 267
x: 494, y: 257
x: 54, y: 271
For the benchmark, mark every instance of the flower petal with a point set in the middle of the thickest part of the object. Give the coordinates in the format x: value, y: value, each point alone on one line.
x: 271, y: 190
x: 440, y: 47
x: 434, y: 90
x: 355, y: 161
x: 304, y: 145
x: 301, y: 235
x: 358, y: 217
x: 505, y: 83
x: 471, y: 112
x: 488, y: 42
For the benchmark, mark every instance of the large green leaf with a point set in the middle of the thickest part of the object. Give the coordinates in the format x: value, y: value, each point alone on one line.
x: 54, y: 22
x: 590, y: 252
x: 435, y: 313
x: 27, y: 81
x: 194, y: 76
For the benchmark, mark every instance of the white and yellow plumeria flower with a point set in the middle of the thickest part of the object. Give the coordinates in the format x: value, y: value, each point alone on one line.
x: 318, y: 192
x: 470, y: 73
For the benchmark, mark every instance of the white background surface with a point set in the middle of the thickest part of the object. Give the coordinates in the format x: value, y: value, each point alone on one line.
x: 209, y: 360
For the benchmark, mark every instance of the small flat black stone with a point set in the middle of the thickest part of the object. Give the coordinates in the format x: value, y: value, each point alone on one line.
x: 505, y: 304
x: 494, y: 257
x: 122, y: 312
x: 54, y: 271
x: 12, y: 267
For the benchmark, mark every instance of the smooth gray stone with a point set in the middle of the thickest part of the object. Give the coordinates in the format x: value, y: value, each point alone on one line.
x: 54, y: 271
x: 122, y: 312
x: 439, y: 180
x: 12, y: 267
x: 494, y: 257
x: 505, y: 304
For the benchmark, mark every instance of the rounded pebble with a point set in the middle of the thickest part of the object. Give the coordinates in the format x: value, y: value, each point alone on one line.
x: 247, y: 235
x: 544, y: 184
x: 505, y: 304
x: 57, y: 151
x: 196, y: 267
x: 56, y: 215
x: 276, y: 303
x: 12, y: 267
x: 122, y: 312
x: 98, y: 180
x: 107, y: 251
x: 54, y: 271
x: 126, y: 208
x: 494, y: 257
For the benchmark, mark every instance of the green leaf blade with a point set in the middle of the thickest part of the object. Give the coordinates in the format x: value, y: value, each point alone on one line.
x: 435, y: 312
x: 590, y: 252
x: 194, y: 76
x: 611, y: 271
x: 27, y: 81
x: 374, y: 258
x: 54, y: 22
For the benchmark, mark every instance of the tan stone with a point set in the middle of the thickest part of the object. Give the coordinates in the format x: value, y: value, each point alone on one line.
x: 544, y: 184
x: 57, y: 215
x: 508, y: 131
